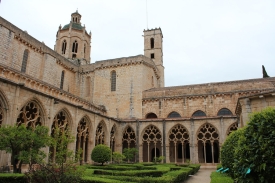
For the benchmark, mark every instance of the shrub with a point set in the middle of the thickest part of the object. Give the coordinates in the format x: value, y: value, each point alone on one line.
x: 12, y: 178
x: 256, y: 149
x: 129, y: 153
x: 228, y: 150
x: 101, y: 154
x: 118, y: 157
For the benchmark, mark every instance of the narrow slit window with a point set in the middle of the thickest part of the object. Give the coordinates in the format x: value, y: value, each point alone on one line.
x: 25, y: 61
x: 113, y: 81
x: 152, y: 55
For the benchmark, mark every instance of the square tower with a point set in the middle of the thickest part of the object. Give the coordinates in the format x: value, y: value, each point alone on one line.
x: 153, y: 49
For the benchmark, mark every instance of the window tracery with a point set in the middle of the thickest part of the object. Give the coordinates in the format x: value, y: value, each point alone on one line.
x: 83, y: 138
x: 100, y: 135
x: 128, y: 138
x: 29, y: 115
x: 179, y: 142
x: 232, y: 128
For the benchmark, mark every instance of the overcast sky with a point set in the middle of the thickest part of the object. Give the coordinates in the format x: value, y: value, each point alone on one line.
x: 204, y: 41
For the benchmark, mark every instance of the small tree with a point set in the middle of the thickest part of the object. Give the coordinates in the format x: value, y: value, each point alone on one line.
x: 256, y: 149
x: 118, y: 157
x: 228, y: 150
x: 101, y: 154
x: 64, y: 168
x: 129, y: 153
x: 24, y: 144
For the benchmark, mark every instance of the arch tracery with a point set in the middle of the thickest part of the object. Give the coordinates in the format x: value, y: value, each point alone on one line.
x: 128, y: 138
x: 82, y: 138
x: 179, y: 143
x: 30, y: 115
x: 152, y: 140
x: 100, y: 134
x: 232, y: 127
x: 208, y: 144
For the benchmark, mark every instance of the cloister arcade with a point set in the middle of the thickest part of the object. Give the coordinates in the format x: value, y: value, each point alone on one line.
x: 178, y: 136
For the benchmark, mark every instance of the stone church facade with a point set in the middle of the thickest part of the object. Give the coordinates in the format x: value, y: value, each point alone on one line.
x: 122, y: 102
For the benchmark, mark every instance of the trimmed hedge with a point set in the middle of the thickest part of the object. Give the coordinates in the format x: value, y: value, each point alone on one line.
x: 12, y: 178
x: 217, y: 177
x: 138, y: 173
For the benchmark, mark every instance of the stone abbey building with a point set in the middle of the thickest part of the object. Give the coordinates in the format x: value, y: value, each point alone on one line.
x: 119, y: 102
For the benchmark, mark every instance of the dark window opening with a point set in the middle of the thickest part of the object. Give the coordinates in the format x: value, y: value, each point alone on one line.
x: 152, y: 41
x: 152, y: 55
x: 74, y: 55
x: 113, y: 81
x: 62, y: 80
x: 151, y: 116
x: 174, y: 115
x: 75, y: 46
x: 64, y: 45
x: 25, y: 60
x: 199, y: 113
x: 224, y: 112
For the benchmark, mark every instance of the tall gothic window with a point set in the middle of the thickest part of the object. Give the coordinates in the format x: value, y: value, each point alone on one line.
x: 152, y: 42
x: 75, y: 46
x: 64, y: 45
x: 113, y: 81
x: 25, y: 60
x: 62, y: 80
x: 88, y: 86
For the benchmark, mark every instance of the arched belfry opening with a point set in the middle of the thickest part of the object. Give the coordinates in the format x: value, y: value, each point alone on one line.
x: 179, y: 144
x: 208, y: 144
x: 82, y: 139
x: 151, y: 143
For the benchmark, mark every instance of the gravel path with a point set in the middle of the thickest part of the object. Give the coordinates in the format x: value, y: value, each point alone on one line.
x: 202, y: 176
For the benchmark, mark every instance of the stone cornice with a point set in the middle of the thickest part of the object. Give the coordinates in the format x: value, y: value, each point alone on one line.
x: 205, y: 95
x: 7, y: 73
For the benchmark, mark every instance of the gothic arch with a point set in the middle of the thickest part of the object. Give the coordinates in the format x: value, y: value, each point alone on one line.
x: 82, y: 137
x: 4, y: 107
x: 232, y: 127
x: 179, y: 143
x: 208, y: 143
x: 100, y: 133
x: 32, y: 113
x: 128, y: 137
x: 151, y: 143
x: 69, y: 118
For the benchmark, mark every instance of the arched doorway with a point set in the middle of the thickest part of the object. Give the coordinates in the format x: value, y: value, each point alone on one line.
x: 151, y: 139
x: 179, y: 144
x: 208, y: 144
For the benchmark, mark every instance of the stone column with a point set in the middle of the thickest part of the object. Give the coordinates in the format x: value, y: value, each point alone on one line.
x: 192, y: 142
x: 164, y: 139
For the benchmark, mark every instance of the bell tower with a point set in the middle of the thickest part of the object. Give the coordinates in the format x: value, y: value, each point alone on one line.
x: 73, y: 41
x: 153, y: 49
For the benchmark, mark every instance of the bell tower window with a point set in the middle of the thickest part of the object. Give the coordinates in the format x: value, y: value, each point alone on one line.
x: 75, y: 46
x: 152, y: 42
x: 64, y: 45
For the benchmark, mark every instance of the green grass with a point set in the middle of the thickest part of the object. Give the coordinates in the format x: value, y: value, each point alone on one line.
x: 217, y: 177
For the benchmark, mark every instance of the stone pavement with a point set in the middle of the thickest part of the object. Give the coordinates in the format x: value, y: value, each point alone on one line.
x: 202, y: 176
